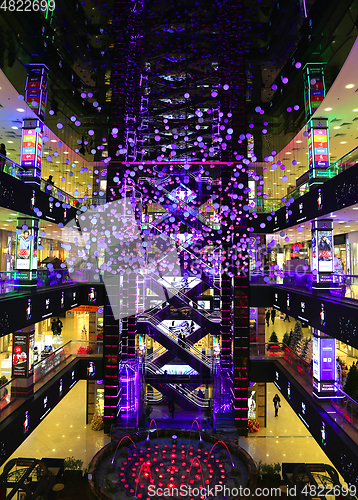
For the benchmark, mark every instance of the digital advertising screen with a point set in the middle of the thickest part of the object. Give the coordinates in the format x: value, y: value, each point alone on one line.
x: 325, y: 250
x: 23, y: 249
x: 20, y: 354
x: 327, y: 359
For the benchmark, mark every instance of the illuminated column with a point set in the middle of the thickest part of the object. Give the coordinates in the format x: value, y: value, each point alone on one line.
x: 226, y: 321
x: 32, y: 128
x: 322, y: 253
x: 23, y: 344
x: 241, y: 352
x: 318, y: 151
x: 26, y: 249
x: 315, y: 90
x: 111, y: 351
x: 36, y: 88
x: 31, y: 150
x: 324, y: 364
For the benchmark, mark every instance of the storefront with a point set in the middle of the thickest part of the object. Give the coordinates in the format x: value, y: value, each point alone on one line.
x: 340, y: 262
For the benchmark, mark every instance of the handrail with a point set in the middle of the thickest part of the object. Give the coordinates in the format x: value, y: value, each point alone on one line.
x: 160, y: 326
x: 43, y: 367
x: 194, y: 257
x: 191, y: 211
x: 203, y: 312
x: 188, y: 394
x: 333, y: 170
x: 19, y: 172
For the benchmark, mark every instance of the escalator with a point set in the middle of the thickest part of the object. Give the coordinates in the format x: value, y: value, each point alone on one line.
x: 186, y: 352
x: 182, y: 395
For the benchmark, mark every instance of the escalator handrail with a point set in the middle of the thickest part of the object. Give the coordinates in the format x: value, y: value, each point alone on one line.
x: 199, y: 217
x: 197, y: 354
x: 183, y: 297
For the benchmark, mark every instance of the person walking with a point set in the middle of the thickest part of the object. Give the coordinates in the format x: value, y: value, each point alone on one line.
x: 273, y: 315
x: 59, y: 326
x: 180, y: 340
x: 276, y: 402
x: 268, y: 317
x: 286, y: 317
x: 54, y: 327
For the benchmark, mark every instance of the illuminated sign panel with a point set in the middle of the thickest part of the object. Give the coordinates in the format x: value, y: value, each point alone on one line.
x: 318, y: 147
x: 31, y: 148
x: 314, y: 87
x: 36, y: 88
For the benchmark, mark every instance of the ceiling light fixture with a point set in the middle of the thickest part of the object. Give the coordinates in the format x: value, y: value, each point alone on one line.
x: 350, y: 86
x: 328, y: 109
x: 20, y: 110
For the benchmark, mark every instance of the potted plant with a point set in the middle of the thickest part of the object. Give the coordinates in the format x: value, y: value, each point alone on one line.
x: 3, y: 380
x: 269, y: 474
x: 73, y: 468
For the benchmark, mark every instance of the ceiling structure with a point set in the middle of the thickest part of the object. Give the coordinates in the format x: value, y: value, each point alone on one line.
x: 65, y: 162
x: 183, y: 58
x: 340, y: 107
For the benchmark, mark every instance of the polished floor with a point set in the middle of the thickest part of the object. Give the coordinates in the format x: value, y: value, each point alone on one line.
x: 285, y: 439
x: 64, y: 433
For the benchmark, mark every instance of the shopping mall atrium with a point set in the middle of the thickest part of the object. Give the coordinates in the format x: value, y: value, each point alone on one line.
x: 178, y: 247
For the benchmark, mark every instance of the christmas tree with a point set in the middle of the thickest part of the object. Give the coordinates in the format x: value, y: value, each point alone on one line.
x: 273, y: 337
x: 296, y: 336
x: 97, y: 420
x: 309, y: 352
x: 286, y: 339
x: 351, y: 385
x: 304, y: 347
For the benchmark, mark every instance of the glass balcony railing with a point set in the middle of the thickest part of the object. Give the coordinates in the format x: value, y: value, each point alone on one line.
x: 344, y: 163
x: 14, y: 281
x: 44, y: 370
x: 341, y: 285
x: 12, y: 168
x: 340, y: 407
